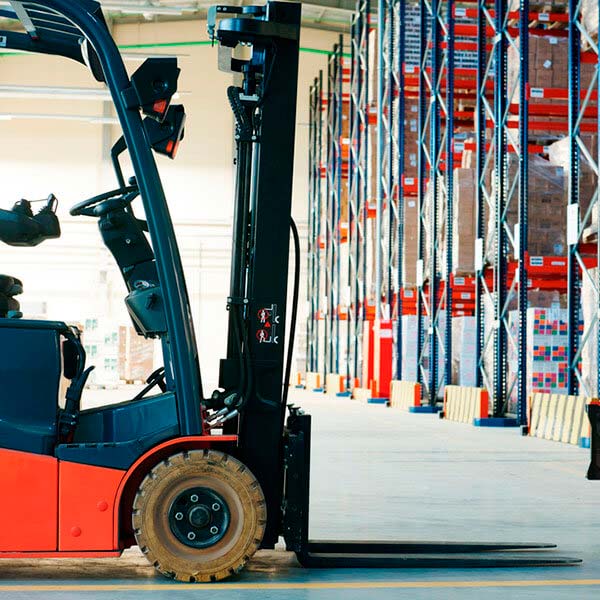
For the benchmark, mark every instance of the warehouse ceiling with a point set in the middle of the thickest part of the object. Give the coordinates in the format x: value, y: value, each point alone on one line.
x: 332, y: 15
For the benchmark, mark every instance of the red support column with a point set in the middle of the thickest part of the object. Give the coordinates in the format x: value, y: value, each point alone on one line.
x: 368, y: 352
x: 382, y: 359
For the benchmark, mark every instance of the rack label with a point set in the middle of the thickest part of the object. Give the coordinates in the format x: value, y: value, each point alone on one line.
x: 3, y: 41
x: 536, y: 261
x: 572, y: 224
x: 479, y: 254
x: 420, y: 272
x: 537, y: 92
x: 460, y: 12
x: 544, y: 17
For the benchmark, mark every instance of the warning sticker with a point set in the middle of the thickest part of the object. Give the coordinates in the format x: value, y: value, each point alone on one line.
x: 268, y: 322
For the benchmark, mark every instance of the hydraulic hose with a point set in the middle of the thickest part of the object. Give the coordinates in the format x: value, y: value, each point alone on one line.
x: 294, y: 317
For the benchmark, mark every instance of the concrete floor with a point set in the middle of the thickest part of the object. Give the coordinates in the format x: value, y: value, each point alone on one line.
x: 384, y: 474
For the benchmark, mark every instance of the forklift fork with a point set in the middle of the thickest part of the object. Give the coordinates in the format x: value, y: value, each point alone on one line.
x: 383, y: 554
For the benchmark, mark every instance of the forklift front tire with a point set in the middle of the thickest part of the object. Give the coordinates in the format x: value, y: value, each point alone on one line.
x: 199, y: 516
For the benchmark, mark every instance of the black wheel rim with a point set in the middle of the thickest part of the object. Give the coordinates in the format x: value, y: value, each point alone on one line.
x: 199, y: 517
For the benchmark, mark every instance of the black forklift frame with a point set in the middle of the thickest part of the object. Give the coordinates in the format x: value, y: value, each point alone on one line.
x: 278, y: 455
x: 77, y: 30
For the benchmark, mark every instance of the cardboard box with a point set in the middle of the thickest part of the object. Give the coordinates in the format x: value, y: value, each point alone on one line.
x: 558, y: 154
x: 410, y: 252
x: 548, y: 67
x: 589, y: 17
x: 464, y: 351
x: 589, y: 351
x: 465, y: 224
x: 547, y: 215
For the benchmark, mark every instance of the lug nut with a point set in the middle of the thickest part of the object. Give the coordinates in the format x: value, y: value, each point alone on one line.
x: 191, y: 536
x: 214, y: 530
x: 179, y: 516
x: 216, y: 507
x: 194, y: 498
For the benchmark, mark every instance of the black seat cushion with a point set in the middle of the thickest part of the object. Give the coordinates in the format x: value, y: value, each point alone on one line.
x: 10, y: 286
x: 8, y: 304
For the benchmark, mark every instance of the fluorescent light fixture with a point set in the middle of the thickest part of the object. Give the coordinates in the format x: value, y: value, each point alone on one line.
x: 40, y: 92
x: 53, y: 93
x: 96, y: 120
x: 143, y: 8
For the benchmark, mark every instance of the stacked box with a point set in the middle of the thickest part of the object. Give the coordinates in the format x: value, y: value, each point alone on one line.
x: 559, y: 154
x: 409, y: 345
x: 589, y: 351
x: 101, y: 342
x: 411, y: 138
x: 410, y: 253
x: 548, y: 68
x: 136, y: 355
x: 547, y: 215
x: 464, y: 351
x: 409, y: 349
x: 439, y: 229
x: 464, y: 226
x: 411, y: 147
x: 547, y: 339
x: 542, y: 5
x: 372, y: 159
x: 589, y: 17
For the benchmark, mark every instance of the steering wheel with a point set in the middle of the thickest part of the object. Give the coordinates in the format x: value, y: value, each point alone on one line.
x: 99, y: 205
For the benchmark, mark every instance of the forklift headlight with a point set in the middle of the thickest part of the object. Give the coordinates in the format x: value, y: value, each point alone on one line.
x: 165, y: 137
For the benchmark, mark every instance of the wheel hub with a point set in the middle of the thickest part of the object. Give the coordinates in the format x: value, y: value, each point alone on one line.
x: 199, y: 517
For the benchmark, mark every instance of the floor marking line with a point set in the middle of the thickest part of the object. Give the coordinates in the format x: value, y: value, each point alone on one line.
x: 342, y: 585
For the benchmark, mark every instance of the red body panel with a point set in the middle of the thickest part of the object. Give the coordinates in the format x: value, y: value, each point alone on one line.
x: 53, y: 509
x: 28, y: 502
x: 87, y: 496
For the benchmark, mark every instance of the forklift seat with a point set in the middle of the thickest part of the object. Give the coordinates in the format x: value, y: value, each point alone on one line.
x: 9, y: 288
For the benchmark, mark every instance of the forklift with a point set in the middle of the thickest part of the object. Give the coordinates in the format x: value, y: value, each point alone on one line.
x: 199, y: 483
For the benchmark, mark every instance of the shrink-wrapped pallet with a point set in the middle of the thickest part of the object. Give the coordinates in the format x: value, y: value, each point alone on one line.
x: 547, y: 208
x: 464, y: 221
x: 589, y: 18
x: 589, y: 350
x: 464, y: 351
x: 559, y: 154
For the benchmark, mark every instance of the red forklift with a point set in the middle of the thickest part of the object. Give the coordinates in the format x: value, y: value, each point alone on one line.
x: 199, y: 483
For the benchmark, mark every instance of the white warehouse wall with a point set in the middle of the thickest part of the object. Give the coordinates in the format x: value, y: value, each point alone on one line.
x: 74, y: 278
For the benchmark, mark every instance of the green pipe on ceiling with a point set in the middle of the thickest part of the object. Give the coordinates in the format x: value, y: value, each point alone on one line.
x: 203, y: 43
x: 180, y: 45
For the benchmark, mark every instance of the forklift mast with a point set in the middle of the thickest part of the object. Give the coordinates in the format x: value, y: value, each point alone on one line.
x: 264, y: 107
x: 196, y: 502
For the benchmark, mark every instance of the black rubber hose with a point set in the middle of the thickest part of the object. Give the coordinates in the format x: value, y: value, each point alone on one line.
x: 233, y: 95
x: 294, y: 318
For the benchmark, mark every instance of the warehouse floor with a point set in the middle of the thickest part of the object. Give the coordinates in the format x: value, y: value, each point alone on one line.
x: 381, y: 473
